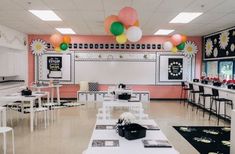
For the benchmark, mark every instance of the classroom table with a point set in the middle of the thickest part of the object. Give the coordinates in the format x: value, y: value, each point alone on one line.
x: 127, y: 146
x: 107, y: 104
x: 52, y: 87
x: 5, y: 99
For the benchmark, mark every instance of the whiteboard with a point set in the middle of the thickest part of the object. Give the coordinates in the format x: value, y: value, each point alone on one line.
x: 114, y: 72
x: 64, y: 74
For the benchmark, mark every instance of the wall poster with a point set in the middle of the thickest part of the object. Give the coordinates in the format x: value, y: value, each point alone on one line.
x: 175, y: 68
x: 54, y: 65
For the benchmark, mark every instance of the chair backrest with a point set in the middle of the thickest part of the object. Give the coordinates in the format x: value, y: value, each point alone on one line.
x: 201, y: 89
x: 215, y: 92
x: 183, y: 84
x: 190, y: 86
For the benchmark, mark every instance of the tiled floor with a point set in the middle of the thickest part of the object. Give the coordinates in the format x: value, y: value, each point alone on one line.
x: 70, y: 133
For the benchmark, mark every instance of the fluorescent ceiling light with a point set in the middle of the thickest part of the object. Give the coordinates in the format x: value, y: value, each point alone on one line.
x: 46, y: 15
x: 185, y: 17
x: 164, y: 31
x: 65, y: 30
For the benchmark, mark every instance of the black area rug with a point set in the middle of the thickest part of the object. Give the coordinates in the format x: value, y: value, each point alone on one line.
x: 207, y: 140
x: 63, y: 103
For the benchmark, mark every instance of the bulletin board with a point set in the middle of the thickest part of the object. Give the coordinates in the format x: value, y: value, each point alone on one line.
x: 174, y: 68
x: 55, y: 66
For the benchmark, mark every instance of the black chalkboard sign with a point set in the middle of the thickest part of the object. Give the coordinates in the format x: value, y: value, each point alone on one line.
x: 175, y: 68
x: 54, y: 65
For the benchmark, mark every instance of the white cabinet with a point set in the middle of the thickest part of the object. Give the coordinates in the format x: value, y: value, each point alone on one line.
x: 144, y: 97
x: 91, y: 97
x: 82, y: 96
x: 99, y: 97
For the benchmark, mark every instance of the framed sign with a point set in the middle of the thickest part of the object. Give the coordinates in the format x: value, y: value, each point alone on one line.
x: 175, y: 68
x: 54, y: 65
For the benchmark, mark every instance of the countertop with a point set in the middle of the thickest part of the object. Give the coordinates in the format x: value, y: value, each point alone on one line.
x: 8, y: 85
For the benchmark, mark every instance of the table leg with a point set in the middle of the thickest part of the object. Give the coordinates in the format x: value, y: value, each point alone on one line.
x: 31, y: 116
x: 52, y: 95
x: 58, y: 94
x: 4, y: 118
x: 40, y: 102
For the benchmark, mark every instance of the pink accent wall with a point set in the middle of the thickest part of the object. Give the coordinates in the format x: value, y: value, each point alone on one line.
x: 69, y: 91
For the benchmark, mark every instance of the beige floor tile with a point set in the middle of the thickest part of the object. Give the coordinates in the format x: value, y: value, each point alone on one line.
x: 71, y: 131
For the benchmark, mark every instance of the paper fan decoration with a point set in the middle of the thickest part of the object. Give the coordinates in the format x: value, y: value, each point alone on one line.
x: 38, y: 47
x: 224, y: 39
x: 190, y: 49
x: 209, y: 47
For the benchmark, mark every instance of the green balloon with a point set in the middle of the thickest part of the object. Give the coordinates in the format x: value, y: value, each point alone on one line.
x: 181, y: 46
x: 117, y: 28
x: 63, y: 46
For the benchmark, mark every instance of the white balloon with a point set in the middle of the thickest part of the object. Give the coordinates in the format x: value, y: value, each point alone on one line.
x: 134, y: 34
x: 167, y: 46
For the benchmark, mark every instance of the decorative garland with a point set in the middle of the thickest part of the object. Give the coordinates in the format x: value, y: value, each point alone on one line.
x: 15, y: 38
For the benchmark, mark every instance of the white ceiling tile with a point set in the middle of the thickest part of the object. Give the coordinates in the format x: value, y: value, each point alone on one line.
x: 31, y: 4
x: 60, y: 5
x: 89, y: 5
x: 173, y: 5
x: 203, y: 5
x: 8, y: 5
x: 86, y: 17
x: 227, y: 6
x: 116, y: 5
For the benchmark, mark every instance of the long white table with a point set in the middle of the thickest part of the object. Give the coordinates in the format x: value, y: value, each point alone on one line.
x: 126, y: 146
x: 5, y: 99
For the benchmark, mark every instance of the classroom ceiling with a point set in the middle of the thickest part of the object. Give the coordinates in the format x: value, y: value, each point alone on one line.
x: 86, y: 17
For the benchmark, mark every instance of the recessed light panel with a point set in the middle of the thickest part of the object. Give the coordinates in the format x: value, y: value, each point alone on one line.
x: 185, y: 17
x: 45, y: 15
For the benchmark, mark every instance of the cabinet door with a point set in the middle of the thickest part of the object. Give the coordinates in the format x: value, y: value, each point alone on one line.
x: 90, y: 97
x: 99, y: 97
x: 82, y: 97
x: 144, y: 97
x: 135, y: 97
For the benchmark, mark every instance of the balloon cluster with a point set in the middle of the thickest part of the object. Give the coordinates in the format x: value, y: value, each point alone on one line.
x: 60, y: 42
x: 176, y: 43
x: 125, y: 26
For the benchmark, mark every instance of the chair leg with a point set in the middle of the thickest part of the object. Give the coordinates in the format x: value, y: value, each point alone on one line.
x: 4, y: 143
x: 204, y: 106
x: 181, y: 95
x: 218, y: 113
x: 199, y: 102
x: 45, y: 119
x: 225, y: 105
x: 211, y: 105
x: 13, y: 141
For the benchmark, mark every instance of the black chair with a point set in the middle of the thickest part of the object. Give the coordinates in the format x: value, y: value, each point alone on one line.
x: 218, y: 100
x: 192, y: 93
x: 204, y: 96
x: 184, y: 90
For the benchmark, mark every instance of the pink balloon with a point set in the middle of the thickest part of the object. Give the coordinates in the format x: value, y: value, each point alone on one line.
x: 176, y: 39
x: 128, y: 16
